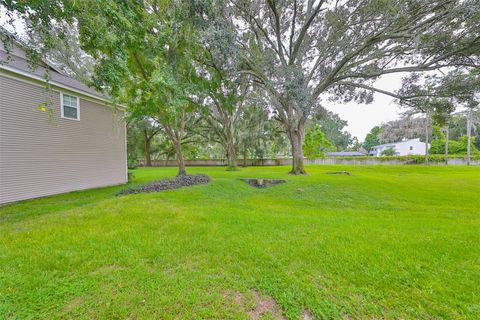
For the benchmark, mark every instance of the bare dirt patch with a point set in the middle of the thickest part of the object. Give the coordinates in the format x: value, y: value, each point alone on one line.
x: 168, y: 184
x: 73, y: 304
x: 257, y: 305
x: 307, y: 315
x: 263, y: 183
x: 107, y: 269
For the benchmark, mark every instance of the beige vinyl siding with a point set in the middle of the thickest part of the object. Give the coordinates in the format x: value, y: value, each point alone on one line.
x: 43, y: 154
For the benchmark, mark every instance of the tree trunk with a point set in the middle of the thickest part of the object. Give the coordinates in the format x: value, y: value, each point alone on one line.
x: 231, y: 158
x: 180, y: 159
x: 295, y: 136
x: 447, y: 133
x: 148, y: 159
x: 427, y: 134
x: 231, y: 155
x: 469, y: 134
x: 176, y: 138
x: 168, y: 159
x: 245, y: 154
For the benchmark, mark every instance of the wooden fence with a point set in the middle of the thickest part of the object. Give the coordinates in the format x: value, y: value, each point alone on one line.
x: 287, y: 162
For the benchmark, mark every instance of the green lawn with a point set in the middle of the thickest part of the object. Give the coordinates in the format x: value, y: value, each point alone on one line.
x: 387, y: 242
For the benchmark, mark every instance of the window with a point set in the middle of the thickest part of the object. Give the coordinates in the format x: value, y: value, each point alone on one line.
x: 411, y: 148
x: 70, y: 107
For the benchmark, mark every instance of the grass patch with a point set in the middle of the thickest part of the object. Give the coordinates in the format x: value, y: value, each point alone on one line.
x: 386, y: 242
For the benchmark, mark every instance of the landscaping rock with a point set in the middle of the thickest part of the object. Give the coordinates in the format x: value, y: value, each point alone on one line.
x: 167, y: 184
x: 262, y: 183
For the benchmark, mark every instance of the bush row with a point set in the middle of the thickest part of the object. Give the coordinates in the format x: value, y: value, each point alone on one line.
x: 414, y: 158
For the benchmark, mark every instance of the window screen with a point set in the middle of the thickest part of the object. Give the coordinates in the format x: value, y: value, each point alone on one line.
x: 70, y: 107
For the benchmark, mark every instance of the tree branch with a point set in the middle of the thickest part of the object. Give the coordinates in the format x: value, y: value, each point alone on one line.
x: 303, y: 31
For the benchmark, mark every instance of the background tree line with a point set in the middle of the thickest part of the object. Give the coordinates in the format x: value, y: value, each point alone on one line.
x: 256, y: 137
x: 414, y: 127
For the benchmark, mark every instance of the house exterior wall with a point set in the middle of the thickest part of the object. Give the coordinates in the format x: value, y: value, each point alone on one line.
x: 43, y: 154
x: 403, y: 148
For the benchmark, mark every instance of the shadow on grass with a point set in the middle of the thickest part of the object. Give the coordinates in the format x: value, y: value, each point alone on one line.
x: 20, y: 210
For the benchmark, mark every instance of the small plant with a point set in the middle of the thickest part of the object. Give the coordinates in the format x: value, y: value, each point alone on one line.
x: 390, y: 152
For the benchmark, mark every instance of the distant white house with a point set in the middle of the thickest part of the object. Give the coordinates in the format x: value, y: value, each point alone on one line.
x: 402, y: 148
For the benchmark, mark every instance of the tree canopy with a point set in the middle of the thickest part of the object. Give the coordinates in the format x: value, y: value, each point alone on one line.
x: 165, y: 59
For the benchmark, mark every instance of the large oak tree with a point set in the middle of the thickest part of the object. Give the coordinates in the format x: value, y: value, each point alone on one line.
x: 301, y: 51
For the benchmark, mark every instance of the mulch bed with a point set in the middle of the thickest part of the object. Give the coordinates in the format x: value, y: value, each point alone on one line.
x: 168, y: 184
x: 340, y: 172
x: 263, y: 183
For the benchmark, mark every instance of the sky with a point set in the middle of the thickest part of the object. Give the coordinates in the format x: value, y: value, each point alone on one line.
x: 361, y: 118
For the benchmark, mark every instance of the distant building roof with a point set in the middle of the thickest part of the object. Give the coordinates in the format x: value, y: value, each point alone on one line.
x: 345, y: 154
x: 394, y: 143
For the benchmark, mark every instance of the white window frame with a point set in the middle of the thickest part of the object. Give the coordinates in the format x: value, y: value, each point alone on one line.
x: 61, y: 107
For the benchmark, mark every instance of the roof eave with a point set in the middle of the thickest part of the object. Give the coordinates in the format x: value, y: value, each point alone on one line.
x: 59, y: 85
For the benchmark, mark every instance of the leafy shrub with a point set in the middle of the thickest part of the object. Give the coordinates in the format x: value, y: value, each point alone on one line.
x: 454, y: 147
x: 315, y: 143
x: 414, y: 159
x: 388, y: 152
x: 132, y: 163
